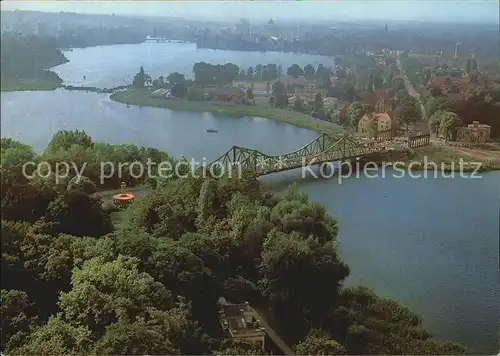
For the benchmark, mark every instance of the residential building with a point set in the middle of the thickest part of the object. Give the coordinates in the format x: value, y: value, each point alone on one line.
x: 240, y: 322
x: 227, y: 94
x: 161, y: 93
x: 474, y: 132
x: 380, y: 100
x: 383, y: 122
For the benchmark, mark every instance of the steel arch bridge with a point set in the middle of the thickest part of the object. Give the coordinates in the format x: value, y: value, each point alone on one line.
x: 323, y: 149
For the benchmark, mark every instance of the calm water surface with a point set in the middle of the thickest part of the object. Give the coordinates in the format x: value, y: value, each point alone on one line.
x: 109, y: 66
x: 429, y: 243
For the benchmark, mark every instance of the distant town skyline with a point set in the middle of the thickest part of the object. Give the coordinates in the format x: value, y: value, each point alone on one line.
x: 417, y: 10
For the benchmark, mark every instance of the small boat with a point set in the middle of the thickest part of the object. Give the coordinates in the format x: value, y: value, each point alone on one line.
x: 128, y: 105
x: 212, y: 130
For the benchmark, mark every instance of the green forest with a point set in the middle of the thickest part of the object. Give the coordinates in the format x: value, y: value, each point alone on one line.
x: 25, y: 62
x: 75, y: 281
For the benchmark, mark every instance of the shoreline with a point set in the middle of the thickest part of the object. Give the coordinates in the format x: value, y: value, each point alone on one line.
x: 142, y: 98
x: 49, y: 81
x: 441, y: 156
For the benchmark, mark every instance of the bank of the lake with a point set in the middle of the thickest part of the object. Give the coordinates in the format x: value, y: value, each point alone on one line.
x: 448, y: 159
x: 429, y: 243
x: 142, y: 97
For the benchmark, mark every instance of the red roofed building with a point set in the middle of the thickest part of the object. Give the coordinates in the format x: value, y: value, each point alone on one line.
x: 380, y: 100
x: 456, y: 85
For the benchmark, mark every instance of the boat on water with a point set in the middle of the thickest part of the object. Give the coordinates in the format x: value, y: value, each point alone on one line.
x: 212, y: 130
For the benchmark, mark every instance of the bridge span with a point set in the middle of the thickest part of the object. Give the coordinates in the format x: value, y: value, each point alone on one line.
x: 324, y: 148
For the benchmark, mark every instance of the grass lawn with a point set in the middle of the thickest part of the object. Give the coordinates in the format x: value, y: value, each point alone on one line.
x: 141, y: 97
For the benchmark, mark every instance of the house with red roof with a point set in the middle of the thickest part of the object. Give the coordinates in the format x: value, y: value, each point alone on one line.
x: 380, y: 100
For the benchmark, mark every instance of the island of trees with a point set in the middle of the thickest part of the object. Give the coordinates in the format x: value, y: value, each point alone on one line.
x: 79, y: 279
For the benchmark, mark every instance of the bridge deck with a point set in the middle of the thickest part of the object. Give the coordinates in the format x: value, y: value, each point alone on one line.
x: 323, y: 149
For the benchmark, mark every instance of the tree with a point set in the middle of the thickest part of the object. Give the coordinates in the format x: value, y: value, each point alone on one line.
x: 355, y: 112
x: 367, y: 324
x: 398, y: 84
x: 17, y: 316
x: 436, y: 92
x: 250, y: 74
x: 176, y: 78
x: 139, y: 78
x: 321, y: 71
x: 291, y: 266
x: 295, y: 71
x: 64, y: 139
x: 323, y: 76
x: 319, y: 342
x: 369, y: 86
x: 179, y: 90
x: 235, y: 348
x: 318, y: 109
x: 449, y: 122
x: 181, y: 270
x: 195, y: 94
x: 435, y: 121
x: 250, y: 96
x: 106, y: 292
x: 378, y: 81
x: 435, y: 104
x: 280, y: 70
x: 269, y: 72
x: 348, y: 93
x: 82, y: 184
x: 56, y: 337
x: 139, y: 337
x: 279, y: 94
x: 407, y: 111
x: 309, y: 71
x: 298, y: 104
x: 76, y: 213
x: 373, y: 128
x: 258, y: 71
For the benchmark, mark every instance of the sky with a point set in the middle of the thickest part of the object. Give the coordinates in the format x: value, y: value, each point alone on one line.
x: 417, y: 10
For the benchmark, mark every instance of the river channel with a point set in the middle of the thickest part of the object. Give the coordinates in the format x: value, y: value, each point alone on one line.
x: 430, y: 243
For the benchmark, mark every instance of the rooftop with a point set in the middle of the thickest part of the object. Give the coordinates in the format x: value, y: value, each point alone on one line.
x: 239, y: 320
x: 227, y: 90
x: 478, y: 125
x: 372, y: 98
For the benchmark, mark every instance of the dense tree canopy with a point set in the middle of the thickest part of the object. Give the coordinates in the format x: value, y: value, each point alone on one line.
x: 151, y: 285
x: 355, y: 111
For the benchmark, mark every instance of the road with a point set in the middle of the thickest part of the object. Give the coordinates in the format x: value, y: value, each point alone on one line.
x: 272, y: 335
x: 411, y: 90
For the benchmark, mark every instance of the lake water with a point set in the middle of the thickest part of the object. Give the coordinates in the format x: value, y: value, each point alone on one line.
x: 429, y: 243
x: 110, y: 66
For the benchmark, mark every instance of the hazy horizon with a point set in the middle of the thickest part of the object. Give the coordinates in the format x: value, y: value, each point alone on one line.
x: 485, y: 11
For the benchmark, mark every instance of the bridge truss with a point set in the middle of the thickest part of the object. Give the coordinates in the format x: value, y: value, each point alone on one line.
x: 323, y: 149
